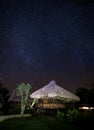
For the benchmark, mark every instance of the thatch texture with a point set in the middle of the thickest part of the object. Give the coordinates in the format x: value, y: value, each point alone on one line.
x: 52, y: 90
x: 15, y: 98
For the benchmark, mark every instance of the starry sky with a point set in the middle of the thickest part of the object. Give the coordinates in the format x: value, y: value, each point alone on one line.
x: 44, y: 40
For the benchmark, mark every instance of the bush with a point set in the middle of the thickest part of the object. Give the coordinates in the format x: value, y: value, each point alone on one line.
x: 60, y: 115
x: 72, y: 115
x: 14, y: 109
x: 1, y: 113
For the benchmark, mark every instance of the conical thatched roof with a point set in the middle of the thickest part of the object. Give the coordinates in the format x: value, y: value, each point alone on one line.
x: 52, y: 90
x: 16, y: 98
x: 13, y: 97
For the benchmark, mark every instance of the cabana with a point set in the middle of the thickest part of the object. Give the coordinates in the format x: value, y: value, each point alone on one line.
x: 53, y: 96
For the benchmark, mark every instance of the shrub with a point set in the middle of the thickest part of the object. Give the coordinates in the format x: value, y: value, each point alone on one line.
x: 14, y: 109
x: 72, y: 115
x: 60, y: 115
x: 1, y: 113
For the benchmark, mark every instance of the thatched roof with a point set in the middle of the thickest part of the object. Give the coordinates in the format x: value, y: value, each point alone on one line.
x: 16, y: 98
x: 13, y: 97
x: 52, y: 90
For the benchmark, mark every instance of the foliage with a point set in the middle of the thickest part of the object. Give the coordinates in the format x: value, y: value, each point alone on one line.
x: 3, y: 93
x: 14, y: 109
x: 82, y: 93
x: 86, y: 95
x: 60, y: 115
x: 91, y: 97
x: 23, y: 90
x: 72, y: 115
x: 1, y: 113
x: 32, y: 104
x: 4, y: 98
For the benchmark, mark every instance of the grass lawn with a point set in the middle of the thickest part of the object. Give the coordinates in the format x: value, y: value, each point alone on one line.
x: 37, y: 123
x: 45, y: 123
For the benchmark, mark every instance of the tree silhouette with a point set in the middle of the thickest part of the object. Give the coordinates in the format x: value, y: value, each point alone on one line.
x: 4, y: 97
x: 86, y: 95
x: 82, y: 93
x: 91, y: 95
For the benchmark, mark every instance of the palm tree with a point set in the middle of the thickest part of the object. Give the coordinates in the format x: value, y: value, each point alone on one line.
x: 23, y: 90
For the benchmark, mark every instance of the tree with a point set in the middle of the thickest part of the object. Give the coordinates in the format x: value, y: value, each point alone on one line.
x: 82, y: 93
x: 91, y: 95
x: 4, y: 98
x: 86, y: 95
x: 23, y: 90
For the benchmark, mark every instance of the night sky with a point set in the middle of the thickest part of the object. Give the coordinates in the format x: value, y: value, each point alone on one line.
x: 44, y: 40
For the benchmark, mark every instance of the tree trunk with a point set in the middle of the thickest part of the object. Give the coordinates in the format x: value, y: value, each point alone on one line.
x: 22, y: 108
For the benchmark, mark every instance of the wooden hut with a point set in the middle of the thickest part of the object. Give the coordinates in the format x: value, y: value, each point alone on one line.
x: 52, y: 96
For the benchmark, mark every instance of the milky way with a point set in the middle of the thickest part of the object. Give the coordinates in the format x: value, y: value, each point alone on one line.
x: 44, y: 40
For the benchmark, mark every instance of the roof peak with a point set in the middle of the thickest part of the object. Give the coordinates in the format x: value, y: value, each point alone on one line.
x: 52, y: 82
